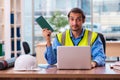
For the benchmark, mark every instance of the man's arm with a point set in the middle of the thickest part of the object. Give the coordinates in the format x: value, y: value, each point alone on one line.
x: 98, y: 54
x: 51, y: 52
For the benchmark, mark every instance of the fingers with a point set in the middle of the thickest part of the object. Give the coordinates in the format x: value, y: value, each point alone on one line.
x: 46, y: 32
x: 94, y: 64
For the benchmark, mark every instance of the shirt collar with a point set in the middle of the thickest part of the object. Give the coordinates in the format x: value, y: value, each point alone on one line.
x: 81, y: 35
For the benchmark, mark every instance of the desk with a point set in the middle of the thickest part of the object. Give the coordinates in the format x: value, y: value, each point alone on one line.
x: 40, y: 50
x: 54, y: 74
x: 113, y: 48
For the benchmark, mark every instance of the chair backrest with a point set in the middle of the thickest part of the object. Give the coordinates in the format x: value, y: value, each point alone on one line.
x: 26, y: 47
x: 103, y: 41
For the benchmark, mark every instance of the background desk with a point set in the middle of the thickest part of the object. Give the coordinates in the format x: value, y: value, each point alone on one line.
x: 40, y: 50
x: 113, y: 48
x: 54, y: 74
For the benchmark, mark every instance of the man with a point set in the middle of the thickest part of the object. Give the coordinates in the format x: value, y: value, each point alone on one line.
x: 76, y: 36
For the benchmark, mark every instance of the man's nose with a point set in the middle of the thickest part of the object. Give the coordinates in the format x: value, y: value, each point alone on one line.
x: 74, y: 22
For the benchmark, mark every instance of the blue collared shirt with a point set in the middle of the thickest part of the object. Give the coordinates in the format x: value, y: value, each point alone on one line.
x: 97, y: 51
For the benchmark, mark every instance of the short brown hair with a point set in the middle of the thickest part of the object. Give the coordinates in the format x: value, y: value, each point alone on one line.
x: 77, y: 10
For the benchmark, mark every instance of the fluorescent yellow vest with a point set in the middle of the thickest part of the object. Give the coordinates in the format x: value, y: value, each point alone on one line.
x: 83, y: 42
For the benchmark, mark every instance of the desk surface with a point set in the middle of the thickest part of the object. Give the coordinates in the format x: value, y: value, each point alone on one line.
x: 53, y: 72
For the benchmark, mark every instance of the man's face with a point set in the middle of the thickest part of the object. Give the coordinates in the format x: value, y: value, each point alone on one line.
x: 76, y: 21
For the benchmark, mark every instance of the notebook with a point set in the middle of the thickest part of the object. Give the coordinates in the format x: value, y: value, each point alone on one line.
x: 43, y: 23
x: 74, y: 57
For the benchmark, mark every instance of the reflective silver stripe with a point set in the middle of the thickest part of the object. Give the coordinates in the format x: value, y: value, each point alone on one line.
x: 89, y: 37
x: 63, y: 38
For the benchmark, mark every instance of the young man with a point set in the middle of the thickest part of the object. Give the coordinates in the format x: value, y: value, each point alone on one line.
x: 75, y: 36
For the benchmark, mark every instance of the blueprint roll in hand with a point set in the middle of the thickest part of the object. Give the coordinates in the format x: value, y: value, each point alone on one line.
x: 43, y: 23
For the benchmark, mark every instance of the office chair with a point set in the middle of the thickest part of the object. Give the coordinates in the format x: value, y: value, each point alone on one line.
x: 103, y: 41
x: 27, y: 48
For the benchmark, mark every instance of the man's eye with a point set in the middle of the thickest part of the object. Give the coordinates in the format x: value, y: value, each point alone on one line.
x: 79, y: 19
x: 71, y: 19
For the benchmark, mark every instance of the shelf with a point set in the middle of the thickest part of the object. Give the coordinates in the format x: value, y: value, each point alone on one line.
x: 18, y: 11
x: 17, y: 38
x: 1, y: 15
x: 16, y: 26
x: 15, y: 11
x: 11, y: 24
x: 18, y: 20
x: 1, y: 3
x: 12, y: 38
x: 2, y: 32
x: 18, y: 32
x: 16, y: 51
x: 12, y: 5
x: 18, y: 5
x: 1, y: 25
x: 1, y: 41
x: 1, y: 8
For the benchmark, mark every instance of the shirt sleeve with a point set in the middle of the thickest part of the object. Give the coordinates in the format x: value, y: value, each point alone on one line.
x: 51, y: 52
x: 97, y: 51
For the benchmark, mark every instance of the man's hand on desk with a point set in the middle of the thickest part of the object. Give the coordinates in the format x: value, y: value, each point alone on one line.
x: 94, y: 64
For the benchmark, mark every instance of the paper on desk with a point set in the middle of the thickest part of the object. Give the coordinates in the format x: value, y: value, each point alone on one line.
x: 116, y: 65
x: 46, y: 66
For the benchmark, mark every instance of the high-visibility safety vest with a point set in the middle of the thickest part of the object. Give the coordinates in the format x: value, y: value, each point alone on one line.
x: 87, y: 39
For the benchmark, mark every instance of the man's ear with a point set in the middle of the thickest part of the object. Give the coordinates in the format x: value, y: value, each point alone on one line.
x: 83, y: 20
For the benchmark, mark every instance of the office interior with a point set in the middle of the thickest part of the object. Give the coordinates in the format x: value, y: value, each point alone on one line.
x: 17, y: 24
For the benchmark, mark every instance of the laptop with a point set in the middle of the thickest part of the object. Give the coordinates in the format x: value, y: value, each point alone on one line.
x: 74, y: 57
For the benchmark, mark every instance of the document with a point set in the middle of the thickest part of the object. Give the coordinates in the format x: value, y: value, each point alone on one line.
x: 43, y: 23
x: 116, y: 65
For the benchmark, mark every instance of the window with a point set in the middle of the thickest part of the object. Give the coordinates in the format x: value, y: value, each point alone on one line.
x: 101, y: 16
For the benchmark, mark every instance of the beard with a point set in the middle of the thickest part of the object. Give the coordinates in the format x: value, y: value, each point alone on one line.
x: 76, y: 28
